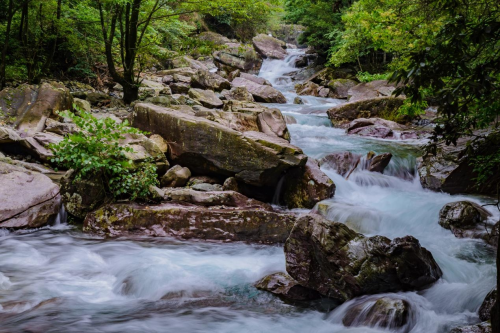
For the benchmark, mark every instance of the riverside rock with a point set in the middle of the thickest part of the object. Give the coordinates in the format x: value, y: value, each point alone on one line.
x: 237, y: 56
x: 261, y: 93
x: 206, y: 97
x: 484, y: 327
x: 342, y: 264
x: 83, y: 195
x: 208, y: 148
x: 341, y: 162
x: 183, y: 220
x: 205, y: 79
x: 269, y: 47
x: 28, y: 199
x: 465, y: 219
x: 284, y: 286
x: 238, y: 94
x: 339, y: 88
x: 487, y: 305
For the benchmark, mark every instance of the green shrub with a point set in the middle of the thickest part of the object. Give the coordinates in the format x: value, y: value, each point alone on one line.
x: 367, y: 77
x: 94, y: 153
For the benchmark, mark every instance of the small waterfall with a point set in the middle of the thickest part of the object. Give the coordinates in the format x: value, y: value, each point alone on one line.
x: 277, y: 192
x: 62, y: 216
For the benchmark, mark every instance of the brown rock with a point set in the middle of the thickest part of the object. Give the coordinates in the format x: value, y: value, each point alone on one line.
x: 269, y: 47
x: 176, y: 176
x: 261, y: 93
x: 284, y: 286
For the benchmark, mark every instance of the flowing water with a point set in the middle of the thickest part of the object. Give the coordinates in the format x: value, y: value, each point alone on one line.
x: 58, y: 279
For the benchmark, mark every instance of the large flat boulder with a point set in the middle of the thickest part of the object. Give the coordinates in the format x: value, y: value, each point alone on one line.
x: 205, y: 79
x: 269, y: 47
x: 261, y: 93
x: 237, y: 56
x: 31, y: 105
x: 342, y: 264
x: 370, y: 90
x: 209, y: 148
x: 206, y: 97
x: 184, y: 220
x: 28, y: 199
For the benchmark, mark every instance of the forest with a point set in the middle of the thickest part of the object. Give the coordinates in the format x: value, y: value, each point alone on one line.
x: 249, y: 165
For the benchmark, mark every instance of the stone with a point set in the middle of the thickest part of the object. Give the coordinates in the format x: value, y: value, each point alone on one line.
x: 186, y: 61
x: 255, y: 78
x: 183, y: 220
x: 261, y: 93
x: 339, y: 88
x: 206, y: 97
x: 326, y: 75
x: 371, y: 90
x: 342, y: 264
x: 31, y: 105
x: 465, y: 219
x: 487, y: 305
x: 341, y: 162
x: 290, y: 120
x: 308, y: 88
x: 238, y: 56
x: 269, y: 47
x: 213, y: 37
x: 160, y: 142
x: 144, y: 150
x: 203, y: 180
x: 82, y: 104
x: 59, y: 128
x: 238, y: 94
x: 176, y: 176
x: 382, y: 107
x: 81, y: 196
x: 212, y: 198
x: 207, y: 80
x: 28, y: 199
x: 298, y: 100
x: 180, y: 87
x: 8, y: 135
x: 184, y: 71
x: 208, y: 148
x: 305, y: 187
x: 484, y: 327
x: 284, y: 286
x: 97, y: 97
x: 230, y: 184
x: 380, y: 162
x: 383, y: 312
x: 205, y: 187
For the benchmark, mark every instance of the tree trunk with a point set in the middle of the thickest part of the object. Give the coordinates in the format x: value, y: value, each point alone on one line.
x: 10, y: 14
x: 130, y: 92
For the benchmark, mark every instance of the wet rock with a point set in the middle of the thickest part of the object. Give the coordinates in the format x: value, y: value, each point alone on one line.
x: 238, y: 56
x: 176, y: 176
x: 342, y: 264
x: 207, y: 80
x: 305, y: 187
x: 81, y: 196
x: 290, y: 120
x: 28, y: 199
x: 208, y: 148
x: 478, y: 328
x: 384, y: 312
x: 252, y: 224
x: 206, y: 97
x: 341, y: 162
x: 339, y: 88
x: 298, y: 100
x: 31, y: 105
x: 284, y: 286
x: 308, y: 88
x: 261, y: 93
x: 487, y: 305
x: 269, y: 47
x: 380, y: 162
x: 465, y: 219
x: 342, y: 114
x: 238, y: 94
x: 370, y: 90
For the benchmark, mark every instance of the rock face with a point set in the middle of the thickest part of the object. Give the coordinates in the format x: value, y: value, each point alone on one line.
x: 206, y: 97
x: 341, y: 115
x: 208, y: 148
x: 238, y: 56
x: 342, y: 264
x: 28, y: 199
x: 269, y: 47
x: 304, y: 188
x: 464, y: 219
x: 488, y: 303
x: 207, y: 80
x: 32, y: 105
x: 284, y: 286
x: 450, y: 169
x: 261, y: 93
x: 479, y: 328
x: 243, y: 223
x: 384, y: 312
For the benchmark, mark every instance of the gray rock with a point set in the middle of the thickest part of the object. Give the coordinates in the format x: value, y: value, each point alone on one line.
x: 261, y: 93
x: 269, y: 47
x: 176, y: 176
x: 206, y: 97
x: 284, y: 286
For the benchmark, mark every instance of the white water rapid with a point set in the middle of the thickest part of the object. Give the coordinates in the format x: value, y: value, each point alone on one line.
x: 58, y: 279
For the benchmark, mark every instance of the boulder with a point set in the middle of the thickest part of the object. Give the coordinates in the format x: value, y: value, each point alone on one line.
x: 465, y: 219
x: 284, y: 286
x: 242, y: 223
x: 9, y: 135
x: 230, y: 184
x: 484, y: 327
x: 208, y: 148
x: 206, y: 97
x: 261, y: 93
x: 203, y: 180
x: 213, y: 37
x: 207, y: 80
x: 308, y: 88
x: 144, y: 150
x: 339, y: 88
x: 487, y: 305
x: 371, y: 90
x: 342, y: 264
x: 269, y: 47
x: 298, y: 100
x: 379, y: 162
x: 81, y: 196
x: 176, y: 176
x: 59, y: 128
x: 254, y: 78
x: 238, y: 94
x: 184, y: 71
x: 159, y: 142
x: 326, y: 75
x: 341, y: 162
x: 97, y: 97
x: 305, y: 187
x: 186, y: 61
x: 82, y: 104
x: 212, y: 198
x: 238, y: 56
x: 383, y: 312
x: 31, y: 105
x: 205, y: 187
x: 28, y: 199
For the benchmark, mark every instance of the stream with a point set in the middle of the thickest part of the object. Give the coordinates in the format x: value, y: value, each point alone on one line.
x: 58, y: 279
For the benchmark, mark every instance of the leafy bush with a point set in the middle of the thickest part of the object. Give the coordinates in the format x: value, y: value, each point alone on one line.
x: 94, y: 153
x: 367, y: 77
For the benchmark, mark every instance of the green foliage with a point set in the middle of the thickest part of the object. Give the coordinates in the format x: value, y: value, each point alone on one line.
x: 367, y: 77
x: 94, y: 152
